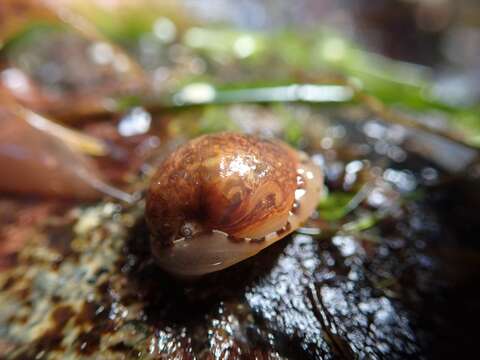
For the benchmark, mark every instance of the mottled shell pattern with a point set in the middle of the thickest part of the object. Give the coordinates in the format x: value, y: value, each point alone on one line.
x: 222, y: 198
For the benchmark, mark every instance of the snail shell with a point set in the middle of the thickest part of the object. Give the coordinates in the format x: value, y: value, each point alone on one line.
x: 38, y: 159
x: 222, y: 198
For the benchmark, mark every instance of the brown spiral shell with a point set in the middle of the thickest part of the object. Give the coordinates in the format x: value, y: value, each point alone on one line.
x: 224, y: 190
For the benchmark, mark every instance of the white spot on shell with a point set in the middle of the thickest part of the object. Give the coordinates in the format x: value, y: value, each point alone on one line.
x: 299, y: 193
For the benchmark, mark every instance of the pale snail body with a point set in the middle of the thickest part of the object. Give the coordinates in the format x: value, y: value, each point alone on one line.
x: 222, y: 198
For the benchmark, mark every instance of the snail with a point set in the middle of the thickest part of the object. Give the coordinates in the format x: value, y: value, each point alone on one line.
x: 222, y: 198
x: 43, y: 158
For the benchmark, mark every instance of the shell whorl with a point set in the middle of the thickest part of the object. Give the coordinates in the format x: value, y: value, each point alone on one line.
x: 228, y: 182
x: 221, y: 198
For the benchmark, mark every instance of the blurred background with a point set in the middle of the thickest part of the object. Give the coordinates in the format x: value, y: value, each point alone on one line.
x: 441, y: 34
x: 419, y: 54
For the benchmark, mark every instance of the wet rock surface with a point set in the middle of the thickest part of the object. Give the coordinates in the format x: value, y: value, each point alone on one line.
x: 84, y: 285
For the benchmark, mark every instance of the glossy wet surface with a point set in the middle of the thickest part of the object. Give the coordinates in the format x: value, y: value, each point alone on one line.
x: 87, y: 287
